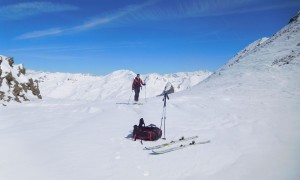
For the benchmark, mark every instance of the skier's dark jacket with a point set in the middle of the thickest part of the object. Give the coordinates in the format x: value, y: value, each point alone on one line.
x: 137, y: 83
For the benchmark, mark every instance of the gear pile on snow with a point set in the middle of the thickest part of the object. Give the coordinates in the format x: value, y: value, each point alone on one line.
x: 14, y: 85
x: 147, y: 133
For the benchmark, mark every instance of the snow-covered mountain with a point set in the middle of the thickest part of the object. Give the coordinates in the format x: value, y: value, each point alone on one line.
x: 14, y: 84
x: 116, y: 85
x: 266, y: 64
x: 248, y: 109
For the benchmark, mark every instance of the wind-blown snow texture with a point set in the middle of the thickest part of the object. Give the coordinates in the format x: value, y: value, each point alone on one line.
x: 249, y: 109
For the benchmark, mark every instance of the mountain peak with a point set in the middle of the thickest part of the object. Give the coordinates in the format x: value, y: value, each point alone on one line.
x: 122, y: 72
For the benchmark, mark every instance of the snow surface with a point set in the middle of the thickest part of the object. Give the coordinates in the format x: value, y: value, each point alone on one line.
x: 249, y: 109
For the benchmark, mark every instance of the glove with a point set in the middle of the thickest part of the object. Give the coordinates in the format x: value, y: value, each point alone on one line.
x: 145, y: 84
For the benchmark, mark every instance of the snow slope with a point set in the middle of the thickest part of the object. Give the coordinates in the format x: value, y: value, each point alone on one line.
x: 249, y: 109
x: 251, y: 106
x: 112, y: 86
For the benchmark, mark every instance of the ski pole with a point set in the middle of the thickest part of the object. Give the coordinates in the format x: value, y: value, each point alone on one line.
x: 164, y: 117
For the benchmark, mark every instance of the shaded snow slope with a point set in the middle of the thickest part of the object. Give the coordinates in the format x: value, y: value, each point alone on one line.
x: 112, y: 86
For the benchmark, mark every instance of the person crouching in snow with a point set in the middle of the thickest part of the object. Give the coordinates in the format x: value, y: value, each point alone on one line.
x: 136, y: 87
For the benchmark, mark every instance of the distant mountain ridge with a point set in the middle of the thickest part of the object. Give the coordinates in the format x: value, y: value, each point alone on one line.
x: 114, y: 85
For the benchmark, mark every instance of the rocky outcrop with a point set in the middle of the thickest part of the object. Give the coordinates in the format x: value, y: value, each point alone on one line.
x: 14, y: 85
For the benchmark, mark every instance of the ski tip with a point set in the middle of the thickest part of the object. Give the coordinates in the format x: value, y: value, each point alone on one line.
x: 204, y: 142
x: 155, y: 153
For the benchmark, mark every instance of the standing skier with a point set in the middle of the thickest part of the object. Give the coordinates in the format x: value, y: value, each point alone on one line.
x: 136, y: 86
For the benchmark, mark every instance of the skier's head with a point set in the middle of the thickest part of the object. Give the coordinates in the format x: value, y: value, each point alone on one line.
x: 138, y: 75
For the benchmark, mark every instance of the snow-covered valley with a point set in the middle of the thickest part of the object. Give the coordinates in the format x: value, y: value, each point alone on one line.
x: 248, y: 109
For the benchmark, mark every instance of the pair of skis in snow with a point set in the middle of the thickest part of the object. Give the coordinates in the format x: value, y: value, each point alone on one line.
x: 160, y: 149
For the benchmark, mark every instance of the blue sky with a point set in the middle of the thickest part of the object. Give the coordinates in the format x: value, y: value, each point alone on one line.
x: 145, y: 36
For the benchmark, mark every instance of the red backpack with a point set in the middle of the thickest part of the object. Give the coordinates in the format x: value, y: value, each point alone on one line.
x: 147, y: 133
